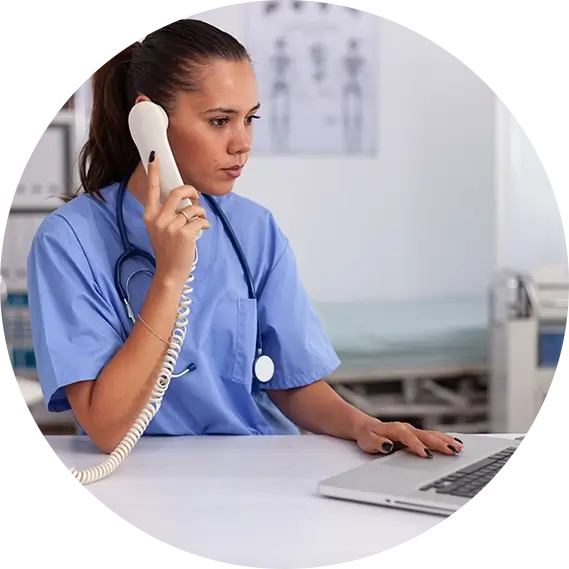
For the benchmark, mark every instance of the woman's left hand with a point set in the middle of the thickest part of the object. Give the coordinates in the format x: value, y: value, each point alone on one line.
x: 375, y: 437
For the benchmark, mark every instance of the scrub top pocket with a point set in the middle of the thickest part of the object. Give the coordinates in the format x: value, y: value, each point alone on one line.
x: 245, y: 342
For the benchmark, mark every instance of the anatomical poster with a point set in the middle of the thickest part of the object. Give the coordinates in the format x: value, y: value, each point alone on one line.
x: 317, y: 69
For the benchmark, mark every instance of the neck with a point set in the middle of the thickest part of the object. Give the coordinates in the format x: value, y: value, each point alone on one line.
x: 137, y: 183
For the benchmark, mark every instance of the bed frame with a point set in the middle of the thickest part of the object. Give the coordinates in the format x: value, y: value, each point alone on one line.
x: 437, y: 397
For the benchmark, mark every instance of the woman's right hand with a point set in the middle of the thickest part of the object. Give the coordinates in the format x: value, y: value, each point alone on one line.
x: 173, y: 238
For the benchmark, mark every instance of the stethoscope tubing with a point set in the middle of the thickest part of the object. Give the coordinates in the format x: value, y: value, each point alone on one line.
x: 131, y: 252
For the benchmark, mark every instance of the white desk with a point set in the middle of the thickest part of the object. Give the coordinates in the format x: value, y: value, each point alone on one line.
x: 246, y: 500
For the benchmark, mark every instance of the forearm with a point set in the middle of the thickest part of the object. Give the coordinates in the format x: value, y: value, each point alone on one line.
x: 317, y: 408
x: 125, y: 384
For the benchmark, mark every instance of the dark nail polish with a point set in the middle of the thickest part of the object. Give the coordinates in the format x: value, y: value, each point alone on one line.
x: 458, y: 440
x: 152, y: 156
x: 387, y: 447
x: 428, y: 453
x: 453, y: 449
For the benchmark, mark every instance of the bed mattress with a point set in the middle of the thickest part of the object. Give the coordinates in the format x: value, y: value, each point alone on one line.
x: 419, y: 333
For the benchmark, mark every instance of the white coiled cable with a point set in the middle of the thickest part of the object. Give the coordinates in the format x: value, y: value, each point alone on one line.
x: 93, y: 474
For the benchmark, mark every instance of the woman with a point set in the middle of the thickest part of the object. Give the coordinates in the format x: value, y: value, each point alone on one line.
x: 93, y: 359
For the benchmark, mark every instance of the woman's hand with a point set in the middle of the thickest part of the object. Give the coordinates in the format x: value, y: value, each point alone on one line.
x: 173, y: 237
x: 376, y: 437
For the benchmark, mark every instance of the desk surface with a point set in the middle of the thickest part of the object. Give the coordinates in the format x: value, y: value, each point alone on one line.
x: 249, y: 501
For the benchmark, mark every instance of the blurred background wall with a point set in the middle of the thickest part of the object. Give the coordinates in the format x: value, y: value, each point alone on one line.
x: 383, y: 219
x: 400, y: 246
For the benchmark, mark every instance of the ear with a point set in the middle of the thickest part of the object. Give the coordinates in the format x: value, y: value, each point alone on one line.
x: 141, y: 98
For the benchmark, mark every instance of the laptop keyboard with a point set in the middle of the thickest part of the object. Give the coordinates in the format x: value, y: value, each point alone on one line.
x: 467, y: 482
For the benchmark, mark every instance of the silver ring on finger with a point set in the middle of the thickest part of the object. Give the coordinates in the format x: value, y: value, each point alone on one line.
x: 184, y: 214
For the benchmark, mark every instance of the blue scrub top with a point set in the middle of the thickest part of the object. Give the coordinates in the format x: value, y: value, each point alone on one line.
x: 79, y: 322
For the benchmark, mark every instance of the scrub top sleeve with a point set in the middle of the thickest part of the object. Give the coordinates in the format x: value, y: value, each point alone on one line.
x: 75, y: 330
x: 292, y: 334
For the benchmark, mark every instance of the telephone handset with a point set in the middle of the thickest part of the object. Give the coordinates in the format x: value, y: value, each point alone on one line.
x: 148, y: 125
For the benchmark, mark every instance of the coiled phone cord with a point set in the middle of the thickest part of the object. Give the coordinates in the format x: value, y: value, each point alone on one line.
x: 93, y: 474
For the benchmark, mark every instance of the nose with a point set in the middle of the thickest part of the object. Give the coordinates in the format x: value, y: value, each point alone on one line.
x: 240, y: 142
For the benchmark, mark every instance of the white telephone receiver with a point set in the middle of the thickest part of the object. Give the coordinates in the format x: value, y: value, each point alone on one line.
x: 148, y: 125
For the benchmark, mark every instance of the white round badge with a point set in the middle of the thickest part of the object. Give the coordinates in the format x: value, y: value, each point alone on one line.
x: 264, y: 369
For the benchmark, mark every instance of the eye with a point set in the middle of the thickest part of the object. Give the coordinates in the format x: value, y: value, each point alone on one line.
x: 219, y: 122
x: 252, y: 118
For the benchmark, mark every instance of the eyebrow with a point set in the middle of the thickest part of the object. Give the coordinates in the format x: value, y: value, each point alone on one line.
x: 231, y: 111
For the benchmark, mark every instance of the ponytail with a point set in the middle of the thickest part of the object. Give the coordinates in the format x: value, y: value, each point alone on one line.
x: 160, y: 67
x: 109, y: 154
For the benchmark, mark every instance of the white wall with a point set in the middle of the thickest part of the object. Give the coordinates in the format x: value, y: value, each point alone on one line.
x: 416, y: 220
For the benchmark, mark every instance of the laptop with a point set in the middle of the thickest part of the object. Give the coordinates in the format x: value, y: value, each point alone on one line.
x: 440, y: 485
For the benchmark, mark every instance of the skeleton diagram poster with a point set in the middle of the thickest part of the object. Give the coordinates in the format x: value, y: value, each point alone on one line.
x: 316, y: 65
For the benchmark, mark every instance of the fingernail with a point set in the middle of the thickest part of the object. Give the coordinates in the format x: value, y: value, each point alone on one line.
x: 428, y: 453
x: 453, y: 449
x: 458, y: 440
x: 152, y: 156
x: 387, y: 447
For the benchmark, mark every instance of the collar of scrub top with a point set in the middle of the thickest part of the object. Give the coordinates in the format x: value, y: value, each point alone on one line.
x: 263, y: 367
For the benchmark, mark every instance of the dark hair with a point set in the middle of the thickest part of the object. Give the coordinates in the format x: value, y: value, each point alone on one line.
x: 166, y: 62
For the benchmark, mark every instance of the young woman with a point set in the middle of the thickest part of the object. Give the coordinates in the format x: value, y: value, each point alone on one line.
x: 101, y: 361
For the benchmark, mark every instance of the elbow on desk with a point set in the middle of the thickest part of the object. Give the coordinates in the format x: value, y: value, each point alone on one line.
x: 105, y: 441
x: 104, y: 444
x: 105, y: 433
x: 106, y: 448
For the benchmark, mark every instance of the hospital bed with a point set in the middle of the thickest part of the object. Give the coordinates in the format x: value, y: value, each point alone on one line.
x: 528, y: 314
x: 424, y: 361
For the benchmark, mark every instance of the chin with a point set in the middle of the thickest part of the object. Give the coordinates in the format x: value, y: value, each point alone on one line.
x: 211, y: 185
x: 217, y: 189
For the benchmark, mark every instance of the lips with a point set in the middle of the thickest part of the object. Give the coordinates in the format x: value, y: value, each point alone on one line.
x: 234, y: 171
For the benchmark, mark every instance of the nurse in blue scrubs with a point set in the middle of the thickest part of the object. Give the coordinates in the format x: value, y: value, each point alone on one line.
x: 95, y: 358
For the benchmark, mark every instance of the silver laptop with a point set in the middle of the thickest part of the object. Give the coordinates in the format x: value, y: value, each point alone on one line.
x: 440, y: 485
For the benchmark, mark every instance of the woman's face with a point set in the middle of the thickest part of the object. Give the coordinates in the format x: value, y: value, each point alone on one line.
x: 211, y: 131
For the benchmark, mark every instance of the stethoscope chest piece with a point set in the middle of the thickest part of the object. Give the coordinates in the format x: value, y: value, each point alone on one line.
x: 264, y: 369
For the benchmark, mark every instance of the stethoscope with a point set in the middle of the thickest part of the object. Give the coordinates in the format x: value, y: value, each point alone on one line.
x: 263, y: 366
